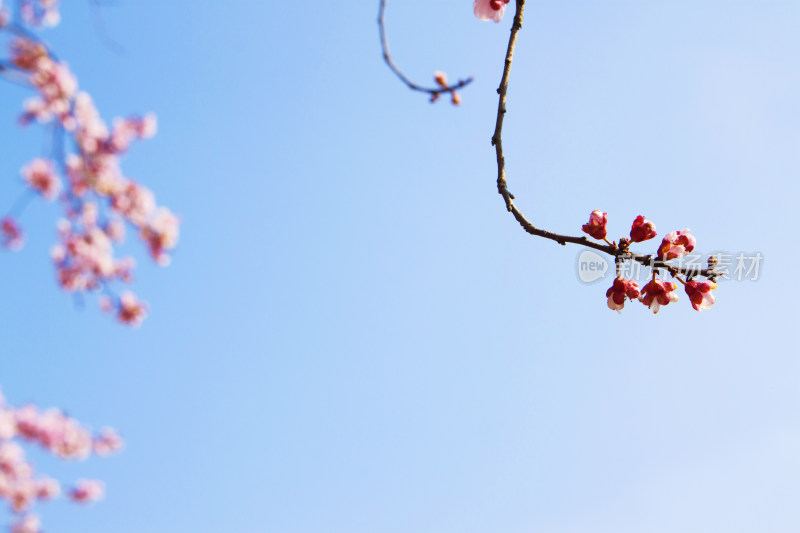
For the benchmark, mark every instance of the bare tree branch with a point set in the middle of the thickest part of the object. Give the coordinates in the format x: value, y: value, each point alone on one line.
x: 434, y: 92
x: 620, y: 252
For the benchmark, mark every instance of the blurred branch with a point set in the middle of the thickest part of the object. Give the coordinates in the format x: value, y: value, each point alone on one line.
x: 100, y: 27
x: 432, y: 91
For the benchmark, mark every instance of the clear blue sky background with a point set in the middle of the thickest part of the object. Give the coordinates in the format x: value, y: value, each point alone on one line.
x: 355, y: 337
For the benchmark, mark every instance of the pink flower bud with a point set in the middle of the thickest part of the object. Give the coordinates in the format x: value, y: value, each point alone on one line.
x: 642, y: 230
x: 699, y: 293
x: 621, y: 289
x: 676, y: 244
x: 440, y: 78
x: 596, y: 227
x: 658, y: 293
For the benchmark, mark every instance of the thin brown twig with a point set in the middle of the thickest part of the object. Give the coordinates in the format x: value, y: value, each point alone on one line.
x: 620, y: 253
x: 433, y: 91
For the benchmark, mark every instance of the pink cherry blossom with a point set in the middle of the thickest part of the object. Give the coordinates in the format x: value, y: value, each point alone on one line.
x: 87, y: 491
x: 29, y: 523
x: 85, y: 258
x: 25, y: 53
x: 596, y: 227
x: 620, y: 290
x: 40, y: 12
x: 47, y: 489
x: 161, y: 234
x: 134, y: 202
x: 40, y: 176
x: 657, y: 293
x: 700, y: 294
x: 490, y: 9
x: 98, y: 198
x: 12, y: 236
x: 57, y: 86
x: 676, y: 244
x: 131, y: 310
x: 107, y: 442
x: 8, y: 424
x: 20, y: 487
x: 126, y: 130
x: 642, y: 230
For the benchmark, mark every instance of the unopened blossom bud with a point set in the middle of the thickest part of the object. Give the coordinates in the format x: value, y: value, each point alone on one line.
x: 676, y: 244
x: 440, y: 78
x: 621, y: 289
x: 657, y: 293
x: 596, y: 227
x: 455, y: 98
x: 642, y: 229
x: 699, y: 293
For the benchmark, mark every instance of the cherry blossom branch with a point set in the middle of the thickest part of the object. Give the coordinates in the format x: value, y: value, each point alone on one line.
x: 51, y: 430
x: 620, y: 252
x: 439, y: 77
x: 98, y: 200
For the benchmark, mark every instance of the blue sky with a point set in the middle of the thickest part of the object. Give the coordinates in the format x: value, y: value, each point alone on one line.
x: 354, y: 336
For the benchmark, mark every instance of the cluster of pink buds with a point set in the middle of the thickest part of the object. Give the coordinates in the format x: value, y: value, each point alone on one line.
x: 58, y: 434
x: 441, y: 80
x: 490, y: 9
x: 621, y: 289
x: 596, y: 227
x: 656, y: 292
x: 98, y: 200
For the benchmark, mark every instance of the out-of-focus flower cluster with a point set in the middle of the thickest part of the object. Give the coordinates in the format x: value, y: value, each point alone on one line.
x: 40, y: 12
x: 52, y: 430
x: 98, y: 199
x: 657, y: 292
